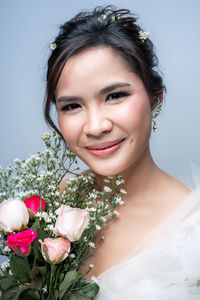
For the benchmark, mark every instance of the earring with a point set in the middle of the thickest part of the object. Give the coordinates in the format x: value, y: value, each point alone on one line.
x: 155, y: 112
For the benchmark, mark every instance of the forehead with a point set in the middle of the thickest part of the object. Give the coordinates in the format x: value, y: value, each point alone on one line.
x: 93, y: 68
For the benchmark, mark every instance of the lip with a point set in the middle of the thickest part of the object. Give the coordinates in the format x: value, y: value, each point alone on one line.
x: 105, y: 148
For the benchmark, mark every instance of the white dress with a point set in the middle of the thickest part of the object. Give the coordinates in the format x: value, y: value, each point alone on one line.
x: 167, y: 265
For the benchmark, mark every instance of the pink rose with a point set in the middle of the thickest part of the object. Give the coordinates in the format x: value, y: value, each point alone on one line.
x: 21, y: 240
x: 71, y: 222
x: 13, y: 215
x: 55, y: 250
x: 33, y: 203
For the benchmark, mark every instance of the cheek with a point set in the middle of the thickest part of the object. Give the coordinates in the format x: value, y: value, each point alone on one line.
x: 69, y: 129
x: 136, y: 114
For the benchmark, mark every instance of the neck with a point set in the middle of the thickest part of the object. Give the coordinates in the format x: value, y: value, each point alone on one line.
x: 139, y: 178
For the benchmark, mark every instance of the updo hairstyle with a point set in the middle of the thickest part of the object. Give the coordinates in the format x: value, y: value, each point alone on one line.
x: 92, y: 29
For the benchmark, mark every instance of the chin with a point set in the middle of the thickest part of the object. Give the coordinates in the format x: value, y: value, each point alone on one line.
x: 107, y: 170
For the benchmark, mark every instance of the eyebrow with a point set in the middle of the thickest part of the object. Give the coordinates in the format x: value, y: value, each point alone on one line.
x: 103, y: 91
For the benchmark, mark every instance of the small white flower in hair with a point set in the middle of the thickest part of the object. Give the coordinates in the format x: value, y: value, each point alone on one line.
x: 143, y: 35
x: 52, y: 46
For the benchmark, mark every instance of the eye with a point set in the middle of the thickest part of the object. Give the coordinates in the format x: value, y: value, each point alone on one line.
x: 70, y: 107
x: 117, y: 95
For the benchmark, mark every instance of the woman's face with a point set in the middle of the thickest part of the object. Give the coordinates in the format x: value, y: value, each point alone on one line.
x: 104, y: 111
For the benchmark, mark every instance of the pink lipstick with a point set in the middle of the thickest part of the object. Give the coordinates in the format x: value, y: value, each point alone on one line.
x: 105, y: 148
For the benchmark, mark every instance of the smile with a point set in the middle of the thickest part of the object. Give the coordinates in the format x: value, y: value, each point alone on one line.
x: 105, y: 148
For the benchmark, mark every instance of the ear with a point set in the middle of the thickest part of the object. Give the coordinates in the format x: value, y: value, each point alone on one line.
x: 155, y: 100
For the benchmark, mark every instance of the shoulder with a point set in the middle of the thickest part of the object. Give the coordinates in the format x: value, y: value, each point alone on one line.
x: 172, y: 188
x: 64, y: 182
x: 167, y: 193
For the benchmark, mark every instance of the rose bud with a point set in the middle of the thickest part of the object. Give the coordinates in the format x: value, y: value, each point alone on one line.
x: 34, y: 203
x: 71, y: 222
x: 13, y: 215
x: 55, y: 251
x: 21, y: 241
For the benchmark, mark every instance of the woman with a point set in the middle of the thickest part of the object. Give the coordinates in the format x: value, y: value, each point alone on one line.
x: 103, y: 78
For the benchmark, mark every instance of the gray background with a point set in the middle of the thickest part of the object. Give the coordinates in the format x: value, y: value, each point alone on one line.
x: 27, y: 28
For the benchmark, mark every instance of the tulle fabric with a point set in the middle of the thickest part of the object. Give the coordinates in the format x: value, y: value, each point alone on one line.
x: 166, y: 266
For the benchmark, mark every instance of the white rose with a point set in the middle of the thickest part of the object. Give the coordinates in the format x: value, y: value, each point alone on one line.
x: 13, y: 215
x: 71, y: 222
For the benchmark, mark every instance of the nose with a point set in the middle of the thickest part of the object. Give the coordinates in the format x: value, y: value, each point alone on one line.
x: 97, y: 123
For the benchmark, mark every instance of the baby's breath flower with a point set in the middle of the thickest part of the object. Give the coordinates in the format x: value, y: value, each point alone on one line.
x: 143, y: 35
x: 17, y: 161
x: 48, y: 152
x: 122, y: 191
x: 52, y: 46
x: 92, y: 209
x: 106, y: 180
x: 91, y: 266
x: 118, y: 182
x: 103, y: 219
x: 91, y: 244
x: 6, y: 249
x: 44, y: 290
x: 46, y: 136
x: 50, y: 227
x: 92, y: 196
x: 39, y: 214
x: 118, y: 199
x: 93, y: 278
x: 98, y: 227
x: 72, y: 255
x: 116, y: 212
x: 107, y: 189
x: 5, y: 265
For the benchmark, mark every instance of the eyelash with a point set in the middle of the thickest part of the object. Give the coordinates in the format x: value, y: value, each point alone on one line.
x: 74, y: 106
x: 118, y: 95
x: 70, y: 107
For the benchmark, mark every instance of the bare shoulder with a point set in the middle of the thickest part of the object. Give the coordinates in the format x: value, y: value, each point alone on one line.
x: 64, y: 182
x: 174, y: 189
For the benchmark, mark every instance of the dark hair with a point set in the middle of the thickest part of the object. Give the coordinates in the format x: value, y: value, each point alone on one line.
x: 104, y: 26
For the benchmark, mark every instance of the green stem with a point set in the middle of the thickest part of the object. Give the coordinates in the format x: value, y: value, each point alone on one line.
x: 53, y: 268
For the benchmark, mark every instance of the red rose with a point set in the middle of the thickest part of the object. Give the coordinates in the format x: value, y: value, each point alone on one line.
x: 21, y: 240
x: 33, y: 203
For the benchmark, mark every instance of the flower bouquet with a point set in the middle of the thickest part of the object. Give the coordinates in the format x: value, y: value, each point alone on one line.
x: 47, y: 235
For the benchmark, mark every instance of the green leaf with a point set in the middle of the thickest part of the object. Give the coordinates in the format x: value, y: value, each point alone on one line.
x: 89, y: 290
x: 36, y: 270
x: 45, y: 249
x: 36, y: 225
x: 11, y: 294
x: 20, y: 268
x: 56, y: 294
x: 19, y: 252
x: 72, y: 297
x: 41, y: 235
x: 37, y: 283
x: 29, y: 294
x: 61, y: 277
x: 68, y: 280
x: 7, y: 282
x: 31, y: 214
